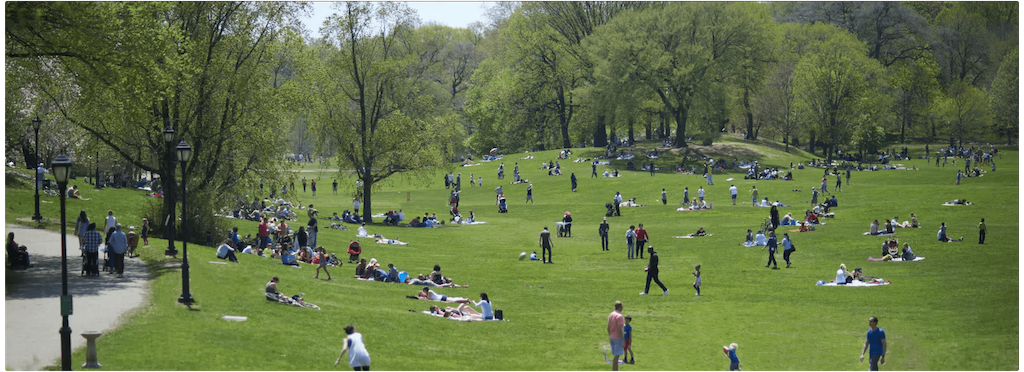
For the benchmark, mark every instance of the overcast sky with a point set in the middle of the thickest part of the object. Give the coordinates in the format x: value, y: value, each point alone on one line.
x: 449, y: 13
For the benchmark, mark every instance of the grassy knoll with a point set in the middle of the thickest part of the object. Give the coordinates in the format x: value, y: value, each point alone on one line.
x: 957, y: 310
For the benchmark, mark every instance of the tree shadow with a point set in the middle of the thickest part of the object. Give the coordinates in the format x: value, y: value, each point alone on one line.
x: 43, y: 279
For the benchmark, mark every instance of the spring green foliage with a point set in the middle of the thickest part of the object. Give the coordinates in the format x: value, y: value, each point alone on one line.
x: 1004, y: 98
x: 962, y: 294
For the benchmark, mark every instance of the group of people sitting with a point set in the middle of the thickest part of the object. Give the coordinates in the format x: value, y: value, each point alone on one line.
x: 767, y: 174
x: 696, y: 204
x: 844, y: 277
x: 767, y: 204
x: 456, y: 217
x: 347, y: 217
x: 631, y: 203
x: 426, y: 221
x: 372, y: 271
x: 463, y: 312
x: 891, y: 250
x: 891, y: 225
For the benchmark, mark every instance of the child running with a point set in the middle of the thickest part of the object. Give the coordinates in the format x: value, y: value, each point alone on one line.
x: 696, y: 280
x: 627, y: 345
x: 734, y: 361
x: 322, y: 263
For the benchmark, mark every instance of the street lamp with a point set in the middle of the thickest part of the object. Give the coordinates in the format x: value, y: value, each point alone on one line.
x: 184, y: 154
x: 61, y: 170
x: 39, y: 181
x: 170, y: 251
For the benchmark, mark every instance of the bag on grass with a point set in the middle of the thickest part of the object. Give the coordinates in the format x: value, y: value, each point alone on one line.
x: 499, y: 315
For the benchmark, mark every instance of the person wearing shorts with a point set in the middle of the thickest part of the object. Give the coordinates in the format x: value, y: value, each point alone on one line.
x: 616, y: 333
x: 323, y: 263
x: 628, y: 342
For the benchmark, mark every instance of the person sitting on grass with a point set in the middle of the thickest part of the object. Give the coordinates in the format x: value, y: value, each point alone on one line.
x: 805, y: 228
x: 788, y: 220
x: 485, y: 307
x: 842, y: 276
x: 942, y: 235
x: 908, y: 255
x: 750, y: 239
x: 423, y: 281
x: 760, y: 239
x: 273, y: 295
x: 913, y: 220
x: 430, y: 295
x: 287, y: 257
x: 360, y: 268
x: 873, y: 230
x: 73, y: 193
x: 226, y: 252
x: 889, y: 227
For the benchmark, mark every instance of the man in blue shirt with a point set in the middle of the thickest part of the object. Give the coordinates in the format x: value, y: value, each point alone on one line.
x: 876, y: 340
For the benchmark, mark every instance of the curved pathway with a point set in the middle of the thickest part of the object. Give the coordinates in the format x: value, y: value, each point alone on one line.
x: 32, y: 301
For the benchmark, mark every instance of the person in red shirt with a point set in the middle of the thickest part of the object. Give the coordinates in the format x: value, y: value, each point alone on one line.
x: 641, y: 241
x: 264, y: 233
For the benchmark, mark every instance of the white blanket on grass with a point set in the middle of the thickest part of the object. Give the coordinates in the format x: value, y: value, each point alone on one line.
x: 855, y: 283
x: 471, y: 223
x: 691, y: 236
x: 390, y: 241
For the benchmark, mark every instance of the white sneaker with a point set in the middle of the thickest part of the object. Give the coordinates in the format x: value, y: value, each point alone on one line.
x: 643, y: 293
x: 666, y: 293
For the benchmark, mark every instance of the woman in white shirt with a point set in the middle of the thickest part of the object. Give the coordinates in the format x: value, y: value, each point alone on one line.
x: 841, y: 274
x: 358, y: 357
x: 485, y: 307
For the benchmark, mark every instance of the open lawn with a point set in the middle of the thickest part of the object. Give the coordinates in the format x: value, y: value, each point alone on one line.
x: 956, y: 310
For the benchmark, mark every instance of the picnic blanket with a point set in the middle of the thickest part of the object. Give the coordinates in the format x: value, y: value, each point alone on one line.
x: 798, y: 230
x: 880, y: 233
x: 855, y: 283
x: 390, y: 241
x: 470, y: 223
x: 365, y: 236
x: 900, y: 259
x: 954, y: 204
x: 691, y: 236
x: 683, y: 209
x: 751, y: 244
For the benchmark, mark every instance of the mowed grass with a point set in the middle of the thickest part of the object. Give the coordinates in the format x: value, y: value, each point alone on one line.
x: 956, y: 310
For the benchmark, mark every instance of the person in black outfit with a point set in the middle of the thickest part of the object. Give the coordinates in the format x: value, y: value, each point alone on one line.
x: 772, y: 247
x: 603, y: 232
x: 567, y: 222
x: 775, y: 217
x: 593, y: 169
x: 573, y: 178
x: 301, y: 237
x: 652, y: 272
x: 652, y: 168
x: 545, y: 245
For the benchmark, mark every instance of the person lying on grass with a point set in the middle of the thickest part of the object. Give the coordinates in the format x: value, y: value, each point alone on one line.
x: 942, y: 235
x: 430, y: 295
x: 463, y: 312
x: 700, y: 232
x: 422, y: 281
x: 957, y: 202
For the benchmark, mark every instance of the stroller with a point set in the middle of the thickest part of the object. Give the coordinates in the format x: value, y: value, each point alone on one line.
x: 561, y: 229
x: 611, y: 209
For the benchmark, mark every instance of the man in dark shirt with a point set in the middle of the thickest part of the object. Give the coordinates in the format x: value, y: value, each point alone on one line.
x: 545, y: 245
x: 652, y: 272
x: 603, y: 232
x: 772, y: 247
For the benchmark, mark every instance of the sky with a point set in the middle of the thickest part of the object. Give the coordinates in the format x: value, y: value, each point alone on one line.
x: 449, y: 13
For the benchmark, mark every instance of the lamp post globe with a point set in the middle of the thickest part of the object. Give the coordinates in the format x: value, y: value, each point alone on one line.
x: 184, y: 153
x: 39, y: 176
x: 61, y: 172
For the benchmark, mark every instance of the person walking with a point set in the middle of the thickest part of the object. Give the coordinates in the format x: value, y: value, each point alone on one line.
x: 358, y: 357
x: 81, y: 226
x: 733, y: 191
x: 981, y: 231
x: 686, y: 194
x: 700, y: 193
x: 91, y: 249
x: 876, y: 342
x: 616, y: 333
x: 529, y: 194
x: 602, y: 231
x: 652, y: 273
x: 839, y: 183
x: 772, y: 247
x: 322, y: 263
x: 334, y: 186
x: 753, y: 193
x: 641, y: 241
x: 696, y: 279
x: 303, y: 184
x: 593, y: 169
x: 814, y: 196
x: 312, y: 186
x: 545, y: 244
x: 118, y: 246
x: 567, y: 224
x: 824, y: 185
x: 958, y: 175
x: 572, y: 177
x: 652, y: 168
x: 630, y: 239
x: 788, y: 248
x: 774, y: 214
x: 664, y: 197
x: 848, y: 174
x: 110, y: 223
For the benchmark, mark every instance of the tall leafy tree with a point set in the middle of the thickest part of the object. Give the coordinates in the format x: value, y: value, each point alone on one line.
x: 1004, y: 98
x: 965, y: 111
x: 834, y: 81
x: 201, y: 69
x: 676, y: 49
x: 366, y: 87
x: 963, y: 45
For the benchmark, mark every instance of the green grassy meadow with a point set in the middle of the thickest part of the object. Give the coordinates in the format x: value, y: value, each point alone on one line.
x: 956, y: 310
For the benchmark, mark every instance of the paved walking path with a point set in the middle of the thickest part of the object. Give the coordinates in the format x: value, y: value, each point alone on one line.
x: 33, y: 299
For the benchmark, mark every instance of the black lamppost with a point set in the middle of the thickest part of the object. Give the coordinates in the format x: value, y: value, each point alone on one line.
x: 61, y: 170
x: 35, y: 125
x: 184, y: 154
x: 171, y: 251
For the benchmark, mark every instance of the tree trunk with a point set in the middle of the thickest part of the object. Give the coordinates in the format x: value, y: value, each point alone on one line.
x: 785, y: 139
x: 647, y: 131
x: 367, y: 184
x: 749, y: 114
x: 600, y: 133
x: 629, y: 124
x: 810, y: 144
x: 680, y: 127
x: 563, y: 120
